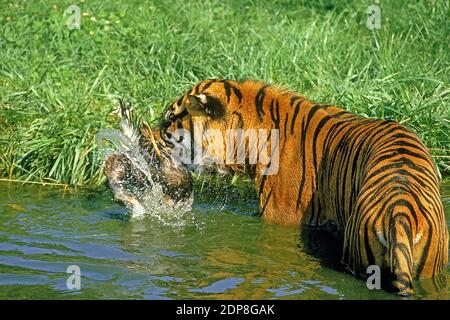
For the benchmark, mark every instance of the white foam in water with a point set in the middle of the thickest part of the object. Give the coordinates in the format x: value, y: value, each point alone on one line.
x: 151, y: 201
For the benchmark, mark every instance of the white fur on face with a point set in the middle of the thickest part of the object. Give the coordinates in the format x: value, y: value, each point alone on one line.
x: 202, y: 98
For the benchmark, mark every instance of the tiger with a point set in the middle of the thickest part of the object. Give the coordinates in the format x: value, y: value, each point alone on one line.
x: 371, y: 183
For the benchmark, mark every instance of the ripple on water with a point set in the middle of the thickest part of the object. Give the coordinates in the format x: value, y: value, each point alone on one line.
x: 220, y: 286
x: 22, y: 279
x: 231, y: 255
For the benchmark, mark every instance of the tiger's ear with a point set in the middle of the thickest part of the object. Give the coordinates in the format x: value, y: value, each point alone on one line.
x: 205, y: 105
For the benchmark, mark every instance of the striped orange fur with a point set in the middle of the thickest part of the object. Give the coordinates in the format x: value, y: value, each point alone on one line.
x: 373, y: 182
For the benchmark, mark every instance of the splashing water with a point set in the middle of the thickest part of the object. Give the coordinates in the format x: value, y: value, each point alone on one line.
x: 151, y: 200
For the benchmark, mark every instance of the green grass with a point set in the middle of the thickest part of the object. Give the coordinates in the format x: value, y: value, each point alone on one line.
x: 59, y: 86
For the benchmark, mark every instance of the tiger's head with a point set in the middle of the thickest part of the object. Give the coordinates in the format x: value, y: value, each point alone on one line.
x: 193, y: 127
x: 219, y: 126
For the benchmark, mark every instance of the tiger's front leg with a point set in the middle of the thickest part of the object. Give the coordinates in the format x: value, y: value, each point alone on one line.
x: 282, y: 201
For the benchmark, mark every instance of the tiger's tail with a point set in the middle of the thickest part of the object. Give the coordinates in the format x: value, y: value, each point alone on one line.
x: 400, y: 253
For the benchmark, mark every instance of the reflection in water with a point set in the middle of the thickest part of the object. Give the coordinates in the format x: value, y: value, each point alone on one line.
x: 216, y: 253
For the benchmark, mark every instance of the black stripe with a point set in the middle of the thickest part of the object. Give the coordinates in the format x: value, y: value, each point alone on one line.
x: 275, y: 115
x: 303, y: 157
x: 208, y: 84
x: 293, y: 99
x: 286, y: 117
x: 237, y: 92
x: 267, y: 201
x: 294, y: 117
x: 196, y: 89
x: 259, y: 101
x: 226, y: 85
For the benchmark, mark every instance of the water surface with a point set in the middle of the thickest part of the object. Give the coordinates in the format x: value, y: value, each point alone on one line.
x: 222, y: 251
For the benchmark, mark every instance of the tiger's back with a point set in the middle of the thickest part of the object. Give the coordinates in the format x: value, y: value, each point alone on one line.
x: 380, y: 185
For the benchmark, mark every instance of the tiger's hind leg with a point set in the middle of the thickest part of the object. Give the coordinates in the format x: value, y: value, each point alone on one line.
x: 364, y: 245
x: 379, y: 232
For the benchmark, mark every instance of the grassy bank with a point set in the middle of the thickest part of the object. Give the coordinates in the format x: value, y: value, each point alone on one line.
x: 59, y: 86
